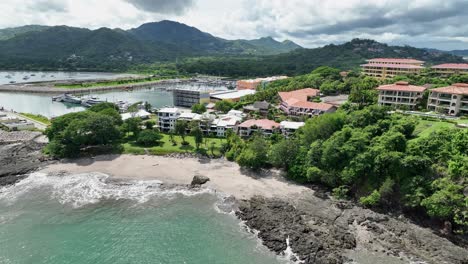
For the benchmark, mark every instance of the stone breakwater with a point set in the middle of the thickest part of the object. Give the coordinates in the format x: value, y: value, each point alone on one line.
x: 325, y: 231
x: 20, y: 153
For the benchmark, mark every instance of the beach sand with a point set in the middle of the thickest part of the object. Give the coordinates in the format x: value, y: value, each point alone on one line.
x: 226, y: 177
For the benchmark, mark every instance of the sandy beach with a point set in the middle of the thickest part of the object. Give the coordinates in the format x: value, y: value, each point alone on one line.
x: 226, y: 177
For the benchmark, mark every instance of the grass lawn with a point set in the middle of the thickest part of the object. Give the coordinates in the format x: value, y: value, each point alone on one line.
x: 38, y: 118
x: 426, y: 127
x: 166, y: 146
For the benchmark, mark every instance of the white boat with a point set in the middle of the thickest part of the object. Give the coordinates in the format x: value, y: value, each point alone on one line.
x: 67, y: 98
x: 91, y: 101
x: 26, y: 78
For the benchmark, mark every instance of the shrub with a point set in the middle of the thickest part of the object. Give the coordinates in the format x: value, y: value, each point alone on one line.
x: 148, y: 138
x: 371, y: 200
x: 340, y: 192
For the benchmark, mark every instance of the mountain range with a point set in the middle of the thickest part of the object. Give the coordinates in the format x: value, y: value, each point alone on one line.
x: 104, y: 49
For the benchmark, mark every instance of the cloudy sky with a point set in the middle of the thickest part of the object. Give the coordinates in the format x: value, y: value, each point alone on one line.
x: 311, y: 23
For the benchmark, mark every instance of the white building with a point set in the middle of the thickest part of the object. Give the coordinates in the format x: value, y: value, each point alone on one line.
x: 167, y: 118
x: 288, y: 128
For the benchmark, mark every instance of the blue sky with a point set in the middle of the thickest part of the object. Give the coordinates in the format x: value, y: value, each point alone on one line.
x: 311, y: 23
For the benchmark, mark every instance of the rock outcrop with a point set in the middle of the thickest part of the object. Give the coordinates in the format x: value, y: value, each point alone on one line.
x: 199, y: 180
x: 20, y: 153
x: 325, y: 231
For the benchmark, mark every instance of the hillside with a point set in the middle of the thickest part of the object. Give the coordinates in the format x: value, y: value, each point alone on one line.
x: 9, y: 33
x: 116, y: 49
x: 463, y: 53
x: 346, y: 56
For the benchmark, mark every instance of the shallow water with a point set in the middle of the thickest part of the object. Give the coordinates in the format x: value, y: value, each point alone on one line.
x: 84, y: 219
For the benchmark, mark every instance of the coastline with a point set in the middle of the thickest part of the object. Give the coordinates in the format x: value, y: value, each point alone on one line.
x: 225, y: 177
x: 285, y: 215
x: 49, y: 88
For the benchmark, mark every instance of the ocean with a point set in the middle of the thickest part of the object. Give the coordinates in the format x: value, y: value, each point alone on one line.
x: 86, y: 218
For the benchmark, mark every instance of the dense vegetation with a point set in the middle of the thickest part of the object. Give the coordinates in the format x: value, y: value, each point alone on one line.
x: 105, y: 49
x: 347, y: 56
x: 184, y: 50
x: 373, y: 157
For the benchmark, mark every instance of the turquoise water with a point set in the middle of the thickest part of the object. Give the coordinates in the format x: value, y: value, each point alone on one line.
x: 157, y: 95
x: 85, y: 219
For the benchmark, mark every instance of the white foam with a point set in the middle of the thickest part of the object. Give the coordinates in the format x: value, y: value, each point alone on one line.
x: 289, y: 254
x: 89, y: 188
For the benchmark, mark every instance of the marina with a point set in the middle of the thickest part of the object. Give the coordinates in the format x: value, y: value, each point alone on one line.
x: 52, y: 105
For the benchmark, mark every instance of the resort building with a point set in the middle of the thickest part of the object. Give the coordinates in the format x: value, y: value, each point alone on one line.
x: 258, y: 106
x: 451, y: 100
x: 265, y: 126
x: 390, y: 67
x: 254, y: 83
x: 400, y: 95
x: 288, y: 128
x: 450, y: 68
x: 167, y: 118
x: 296, y: 103
x: 188, y: 98
x: 221, y: 125
x: 233, y: 96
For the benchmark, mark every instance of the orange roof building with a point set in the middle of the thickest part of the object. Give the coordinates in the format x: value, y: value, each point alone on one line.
x: 254, y: 83
x: 451, y: 100
x: 450, y: 68
x: 391, y: 67
x: 296, y: 103
x: 400, y: 95
x: 266, y: 126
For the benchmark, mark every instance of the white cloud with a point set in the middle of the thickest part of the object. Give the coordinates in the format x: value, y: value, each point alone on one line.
x: 429, y: 23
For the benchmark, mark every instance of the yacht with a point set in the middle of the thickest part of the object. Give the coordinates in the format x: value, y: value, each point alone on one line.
x: 67, y: 98
x: 91, y: 101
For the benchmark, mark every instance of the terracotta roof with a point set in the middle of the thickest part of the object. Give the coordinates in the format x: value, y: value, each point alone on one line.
x: 456, y: 66
x: 395, y: 66
x: 395, y: 60
x: 262, y: 123
x: 299, y: 95
x: 314, y: 106
x: 457, y: 88
x: 401, y: 86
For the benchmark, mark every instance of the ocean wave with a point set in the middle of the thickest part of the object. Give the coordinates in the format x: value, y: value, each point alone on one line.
x: 89, y: 188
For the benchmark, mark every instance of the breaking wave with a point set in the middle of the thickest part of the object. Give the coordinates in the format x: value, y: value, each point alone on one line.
x: 89, y: 188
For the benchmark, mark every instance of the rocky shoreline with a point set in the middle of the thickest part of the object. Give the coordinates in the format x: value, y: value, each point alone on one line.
x: 321, y: 230
x: 315, y: 227
x: 20, y: 153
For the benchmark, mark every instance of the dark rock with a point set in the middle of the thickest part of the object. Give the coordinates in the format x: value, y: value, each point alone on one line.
x: 19, y: 158
x: 199, y: 180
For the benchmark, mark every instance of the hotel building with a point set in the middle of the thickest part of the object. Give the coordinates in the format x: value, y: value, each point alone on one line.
x: 265, y: 126
x: 296, y: 103
x: 167, y: 118
x: 452, y: 100
x: 400, y: 94
x: 390, y: 67
x: 450, y: 68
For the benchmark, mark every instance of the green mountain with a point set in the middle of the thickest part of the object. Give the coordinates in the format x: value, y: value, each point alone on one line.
x: 347, y: 56
x: 463, y: 53
x: 116, y: 49
x: 193, y: 39
x: 9, y: 33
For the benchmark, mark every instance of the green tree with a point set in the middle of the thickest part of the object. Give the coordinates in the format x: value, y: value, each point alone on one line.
x: 255, y: 154
x: 148, y: 137
x: 223, y: 106
x: 363, y: 92
x: 180, y: 129
x: 132, y: 125
x: 283, y: 153
x: 197, y: 134
x: 199, y: 108
x: 150, y: 124
x: 447, y: 199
